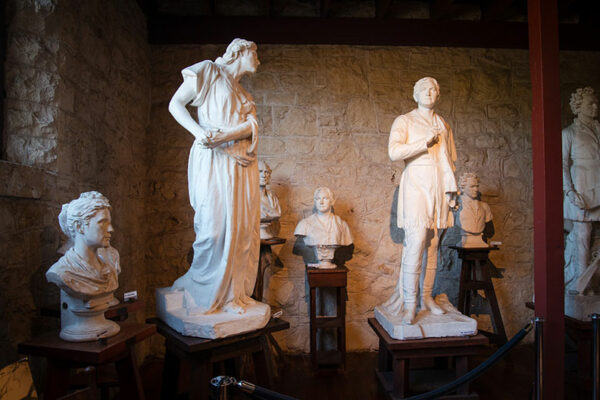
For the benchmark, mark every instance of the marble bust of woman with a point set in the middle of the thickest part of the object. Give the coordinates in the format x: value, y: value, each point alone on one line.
x: 88, y: 272
x: 324, y: 230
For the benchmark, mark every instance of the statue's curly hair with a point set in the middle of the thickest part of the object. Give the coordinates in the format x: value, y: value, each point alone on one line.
x: 577, y: 98
x: 80, y: 210
x: 235, y: 48
x: 464, y: 178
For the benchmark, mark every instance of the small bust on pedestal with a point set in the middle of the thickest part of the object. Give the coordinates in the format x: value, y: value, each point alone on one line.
x: 324, y: 231
x: 87, y: 274
x: 473, y: 214
x: 270, y: 211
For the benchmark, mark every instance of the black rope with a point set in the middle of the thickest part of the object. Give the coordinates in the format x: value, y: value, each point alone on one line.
x: 480, y: 369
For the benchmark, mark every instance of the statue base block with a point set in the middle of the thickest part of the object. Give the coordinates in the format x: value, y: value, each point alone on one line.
x: 581, y: 307
x: 170, y: 308
x: 426, y: 324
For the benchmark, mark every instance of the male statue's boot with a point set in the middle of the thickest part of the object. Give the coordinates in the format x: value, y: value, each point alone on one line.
x: 410, y: 280
x: 427, y: 300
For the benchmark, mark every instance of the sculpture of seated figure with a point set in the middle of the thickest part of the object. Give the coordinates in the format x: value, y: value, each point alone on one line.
x: 87, y: 274
x: 473, y: 214
x: 323, y: 230
x: 270, y: 211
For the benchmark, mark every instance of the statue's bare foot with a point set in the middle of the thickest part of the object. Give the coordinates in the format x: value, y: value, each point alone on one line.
x: 410, y: 310
x: 429, y: 303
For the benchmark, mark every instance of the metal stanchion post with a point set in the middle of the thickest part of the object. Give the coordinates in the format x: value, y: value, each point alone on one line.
x: 222, y: 386
x: 539, y: 354
x: 596, y: 355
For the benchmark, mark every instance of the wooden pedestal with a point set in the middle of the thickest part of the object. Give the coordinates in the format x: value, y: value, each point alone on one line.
x: 474, y: 276
x: 265, y: 261
x: 395, y: 356
x: 63, y: 356
x: 328, y: 278
x: 200, y: 354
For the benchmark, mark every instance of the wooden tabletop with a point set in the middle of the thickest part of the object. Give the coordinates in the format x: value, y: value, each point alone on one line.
x: 272, y: 241
x: 438, y: 342
x: 192, y: 344
x: 97, y: 352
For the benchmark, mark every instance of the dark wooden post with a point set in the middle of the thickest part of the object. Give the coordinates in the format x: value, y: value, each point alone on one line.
x: 547, y: 190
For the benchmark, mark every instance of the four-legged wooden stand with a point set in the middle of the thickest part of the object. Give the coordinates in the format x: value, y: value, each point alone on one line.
x: 200, y: 354
x: 475, y: 275
x: 63, y: 356
x: 323, y: 278
x: 395, y: 356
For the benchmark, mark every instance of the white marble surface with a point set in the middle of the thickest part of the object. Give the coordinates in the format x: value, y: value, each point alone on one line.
x: 171, y: 308
x: 224, y: 193
x: 426, y: 324
x: 88, y: 272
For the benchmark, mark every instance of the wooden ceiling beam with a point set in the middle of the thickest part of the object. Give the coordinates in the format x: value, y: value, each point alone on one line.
x: 382, y: 7
x: 324, y: 6
x: 360, y: 31
x: 440, y: 9
x: 496, y: 10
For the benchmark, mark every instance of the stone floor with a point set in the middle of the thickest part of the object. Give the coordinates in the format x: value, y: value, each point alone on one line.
x: 511, y: 378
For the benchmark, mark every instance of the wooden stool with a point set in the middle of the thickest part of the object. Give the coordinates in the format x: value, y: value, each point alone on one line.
x: 200, y: 354
x: 395, y: 355
x: 475, y: 262
x: 323, y: 278
x: 63, y: 356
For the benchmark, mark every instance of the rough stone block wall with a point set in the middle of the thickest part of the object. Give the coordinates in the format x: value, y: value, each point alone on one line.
x: 77, y: 106
x: 325, y: 114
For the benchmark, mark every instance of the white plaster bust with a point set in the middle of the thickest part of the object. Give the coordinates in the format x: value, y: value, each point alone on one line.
x: 324, y: 230
x: 270, y: 211
x: 88, y: 272
x: 581, y: 185
x: 473, y: 214
x: 212, y: 299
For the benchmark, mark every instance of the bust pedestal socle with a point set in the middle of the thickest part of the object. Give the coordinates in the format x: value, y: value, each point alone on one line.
x: 212, y: 299
x: 87, y: 274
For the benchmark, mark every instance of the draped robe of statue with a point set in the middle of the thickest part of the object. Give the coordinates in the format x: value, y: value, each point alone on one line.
x: 73, y: 274
x: 223, y: 194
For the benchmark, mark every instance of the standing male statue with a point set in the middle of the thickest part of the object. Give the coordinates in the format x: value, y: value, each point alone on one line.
x: 427, y: 192
x: 581, y: 183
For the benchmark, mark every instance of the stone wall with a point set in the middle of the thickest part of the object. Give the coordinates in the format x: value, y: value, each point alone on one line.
x: 325, y: 114
x: 77, y: 106
x: 82, y: 86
